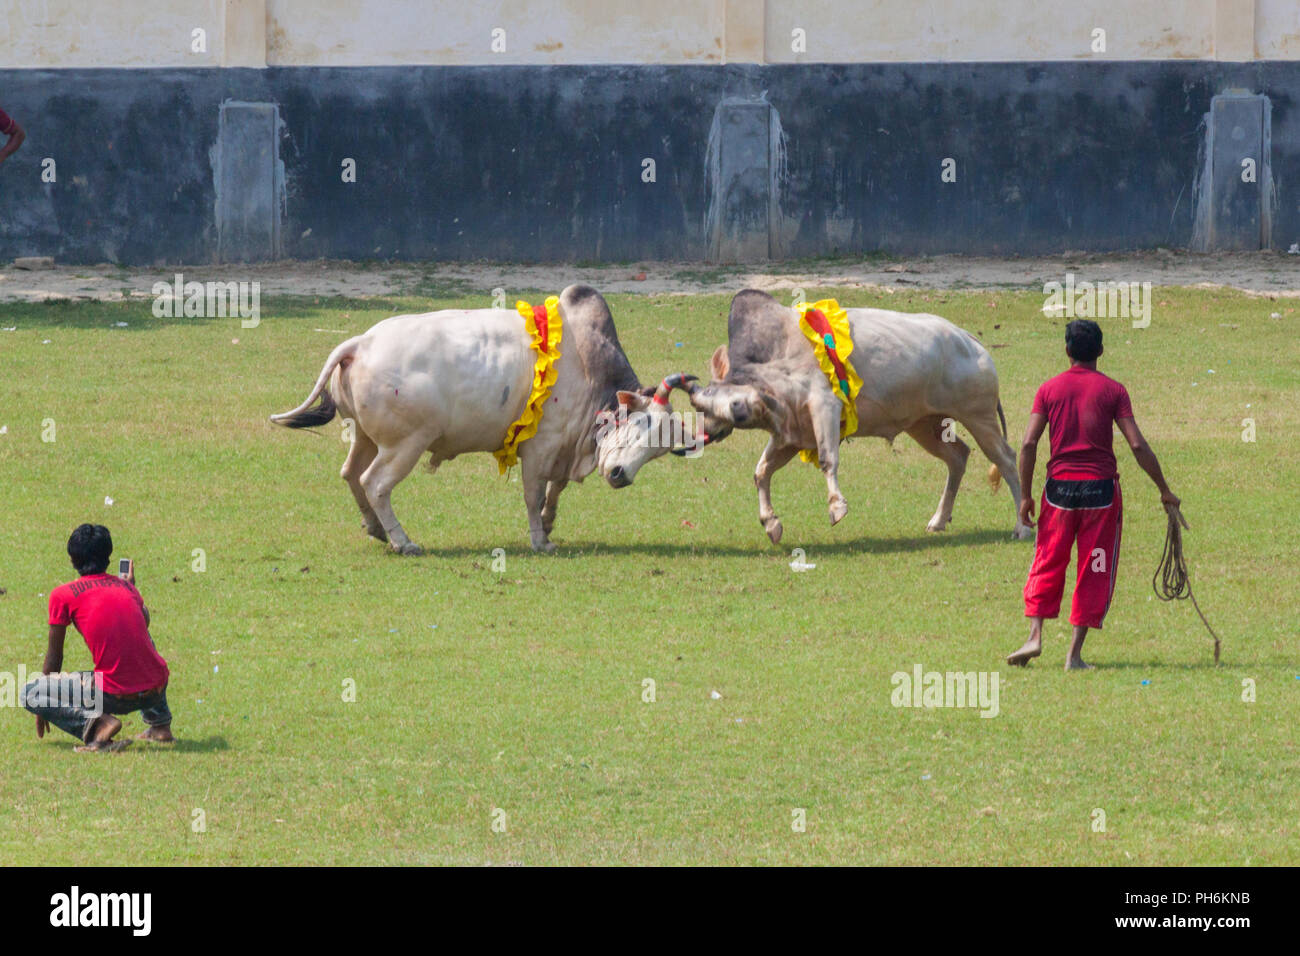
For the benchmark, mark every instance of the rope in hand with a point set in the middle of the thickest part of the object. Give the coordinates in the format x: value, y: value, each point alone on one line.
x: 1171, y: 582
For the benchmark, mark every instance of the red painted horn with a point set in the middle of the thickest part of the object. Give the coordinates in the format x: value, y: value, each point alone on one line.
x: 676, y: 380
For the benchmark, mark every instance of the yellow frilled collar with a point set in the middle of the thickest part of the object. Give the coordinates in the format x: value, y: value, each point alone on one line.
x: 545, y: 327
x: 826, y: 326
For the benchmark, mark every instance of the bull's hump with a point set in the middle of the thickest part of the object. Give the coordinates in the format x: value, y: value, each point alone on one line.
x: 760, y: 329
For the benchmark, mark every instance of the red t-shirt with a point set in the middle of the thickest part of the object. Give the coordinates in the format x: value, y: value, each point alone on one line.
x: 1081, y: 405
x: 109, y: 613
x: 6, y: 123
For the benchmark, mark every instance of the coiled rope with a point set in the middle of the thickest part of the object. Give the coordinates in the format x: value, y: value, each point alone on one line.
x: 1171, y: 581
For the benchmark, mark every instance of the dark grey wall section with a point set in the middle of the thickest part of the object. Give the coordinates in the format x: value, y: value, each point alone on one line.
x: 544, y: 163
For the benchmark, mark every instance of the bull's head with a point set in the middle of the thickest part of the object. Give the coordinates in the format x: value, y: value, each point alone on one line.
x: 724, y: 406
x: 641, y: 428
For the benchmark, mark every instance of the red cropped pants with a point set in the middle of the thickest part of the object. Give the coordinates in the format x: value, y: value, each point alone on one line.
x: 1086, y: 516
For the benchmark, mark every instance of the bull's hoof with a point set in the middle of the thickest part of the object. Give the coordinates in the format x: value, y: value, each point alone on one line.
x: 773, y: 528
x: 544, y: 547
x: 1023, y: 532
x: 937, y: 524
x: 410, y: 549
x: 377, y: 532
x: 839, y: 508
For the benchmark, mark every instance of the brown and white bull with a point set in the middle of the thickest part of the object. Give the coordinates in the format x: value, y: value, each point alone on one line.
x: 920, y: 373
x: 453, y: 382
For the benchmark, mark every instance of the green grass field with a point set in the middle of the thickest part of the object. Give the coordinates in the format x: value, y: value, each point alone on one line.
x: 522, y: 690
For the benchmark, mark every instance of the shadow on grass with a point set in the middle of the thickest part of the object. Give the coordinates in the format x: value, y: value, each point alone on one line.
x: 182, y: 745
x: 190, y: 745
x: 1157, y: 665
x: 574, y: 550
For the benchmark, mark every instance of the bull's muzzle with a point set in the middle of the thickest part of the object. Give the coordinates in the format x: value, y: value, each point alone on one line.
x: 618, y: 477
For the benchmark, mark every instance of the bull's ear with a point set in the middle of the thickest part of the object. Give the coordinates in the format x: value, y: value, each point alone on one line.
x: 719, y: 365
x: 632, y: 401
x: 648, y: 391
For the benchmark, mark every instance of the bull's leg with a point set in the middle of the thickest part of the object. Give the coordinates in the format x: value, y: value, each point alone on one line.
x: 988, y: 436
x: 773, y: 458
x: 390, y: 466
x: 535, y: 495
x: 929, y: 433
x: 553, y: 489
x: 360, y: 456
x: 826, y: 426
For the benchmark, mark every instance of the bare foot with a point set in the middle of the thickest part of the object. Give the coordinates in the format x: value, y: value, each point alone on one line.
x: 105, y: 747
x: 1077, y: 664
x: 101, y: 732
x: 158, y: 735
x: 1027, y: 653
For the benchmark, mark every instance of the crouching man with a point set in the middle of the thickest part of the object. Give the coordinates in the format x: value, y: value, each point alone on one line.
x: 129, y: 674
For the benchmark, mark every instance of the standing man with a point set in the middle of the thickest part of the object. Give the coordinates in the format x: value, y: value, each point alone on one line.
x: 9, y: 127
x: 129, y: 674
x: 1081, y: 500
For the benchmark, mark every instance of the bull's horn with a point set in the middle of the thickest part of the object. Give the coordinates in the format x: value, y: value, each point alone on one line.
x: 676, y: 380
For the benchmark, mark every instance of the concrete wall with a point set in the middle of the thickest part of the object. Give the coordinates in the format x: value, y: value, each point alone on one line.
x: 64, y: 34
x: 545, y: 163
x: 418, y: 31
x: 57, y: 34
x: 461, y: 152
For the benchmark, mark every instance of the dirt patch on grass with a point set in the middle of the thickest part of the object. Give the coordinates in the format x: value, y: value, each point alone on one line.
x: 1269, y: 274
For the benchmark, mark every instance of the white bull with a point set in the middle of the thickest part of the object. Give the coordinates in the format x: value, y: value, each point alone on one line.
x: 920, y: 374
x: 453, y: 382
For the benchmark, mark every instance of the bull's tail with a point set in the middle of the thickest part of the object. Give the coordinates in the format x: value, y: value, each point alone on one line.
x: 995, y: 474
x: 306, y: 416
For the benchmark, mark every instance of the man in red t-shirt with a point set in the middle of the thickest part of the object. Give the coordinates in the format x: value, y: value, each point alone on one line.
x: 9, y: 127
x: 1081, y: 501
x: 128, y: 675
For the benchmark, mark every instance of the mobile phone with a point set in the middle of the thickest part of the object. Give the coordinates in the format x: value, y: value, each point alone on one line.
x: 124, y: 567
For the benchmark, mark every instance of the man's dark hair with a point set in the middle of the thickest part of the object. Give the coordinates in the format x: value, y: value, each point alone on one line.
x: 1083, y: 340
x: 90, y: 548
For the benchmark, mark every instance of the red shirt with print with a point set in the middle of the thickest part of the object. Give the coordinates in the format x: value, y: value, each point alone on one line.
x: 109, y: 613
x: 1081, y: 405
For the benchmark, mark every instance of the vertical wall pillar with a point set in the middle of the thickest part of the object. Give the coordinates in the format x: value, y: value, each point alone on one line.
x: 744, y: 31
x: 249, y: 182
x: 1234, y: 30
x: 741, y: 218
x: 245, y: 34
x: 1235, y: 192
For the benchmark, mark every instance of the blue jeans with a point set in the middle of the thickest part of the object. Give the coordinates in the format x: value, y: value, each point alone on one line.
x: 73, y: 702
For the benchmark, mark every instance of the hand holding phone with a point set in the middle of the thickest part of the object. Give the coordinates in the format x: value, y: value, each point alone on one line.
x: 126, y: 569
